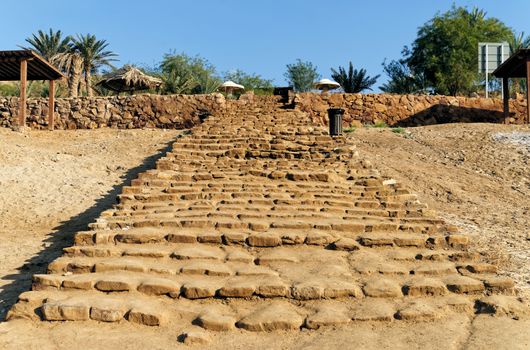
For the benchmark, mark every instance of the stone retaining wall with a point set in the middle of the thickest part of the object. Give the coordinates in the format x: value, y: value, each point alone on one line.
x: 410, y: 110
x: 125, y: 112
x: 183, y: 111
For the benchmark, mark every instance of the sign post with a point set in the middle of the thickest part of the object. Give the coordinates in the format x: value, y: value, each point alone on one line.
x: 490, y: 56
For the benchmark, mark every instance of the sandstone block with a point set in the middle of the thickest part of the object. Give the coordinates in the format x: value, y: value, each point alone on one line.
x: 216, y: 321
x: 380, y: 287
x: 271, y: 318
x: 145, y: 316
x: 264, y: 240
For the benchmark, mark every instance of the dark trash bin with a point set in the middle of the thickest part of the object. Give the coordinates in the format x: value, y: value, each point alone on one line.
x: 335, y: 121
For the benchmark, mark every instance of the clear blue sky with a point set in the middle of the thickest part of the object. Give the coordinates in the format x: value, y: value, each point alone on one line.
x: 256, y: 36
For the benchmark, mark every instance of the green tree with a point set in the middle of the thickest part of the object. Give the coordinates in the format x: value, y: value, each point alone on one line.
x: 518, y: 41
x: 251, y: 82
x: 70, y: 62
x: 301, y: 75
x: 353, y: 80
x: 445, y: 50
x: 94, y: 54
x: 48, y: 44
x: 183, y: 74
x: 401, y: 79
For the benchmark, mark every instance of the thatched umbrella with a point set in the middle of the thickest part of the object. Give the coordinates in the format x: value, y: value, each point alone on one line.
x: 326, y: 84
x: 129, y: 78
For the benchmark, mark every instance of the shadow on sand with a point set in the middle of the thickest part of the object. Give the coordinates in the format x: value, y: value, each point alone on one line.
x: 63, y: 235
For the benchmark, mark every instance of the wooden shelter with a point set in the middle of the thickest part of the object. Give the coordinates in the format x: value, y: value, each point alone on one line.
x: 130, y: 79
x: 516, y: 66
x: 26, y: 65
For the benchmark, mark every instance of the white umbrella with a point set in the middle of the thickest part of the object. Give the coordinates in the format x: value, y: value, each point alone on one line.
x: 229, y: 87
x: 326, y: 84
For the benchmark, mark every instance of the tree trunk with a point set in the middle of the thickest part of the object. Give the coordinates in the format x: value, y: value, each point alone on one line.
x: 88, y: 81
x: 74, y: 79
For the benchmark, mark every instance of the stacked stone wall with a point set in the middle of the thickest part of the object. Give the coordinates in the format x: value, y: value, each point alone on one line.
x: 124, y: 112
x: 410, y: 110
x: 185, y: 111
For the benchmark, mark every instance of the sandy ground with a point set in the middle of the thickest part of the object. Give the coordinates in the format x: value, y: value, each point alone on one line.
x: 477, y: 176
x: 52, y: 185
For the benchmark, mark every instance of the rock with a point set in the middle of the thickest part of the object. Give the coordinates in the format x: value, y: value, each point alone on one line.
x: 148, y: 317
x: 159, y: 286
x: 65, y: 311
x: 418, y: 310
x: 424, y: 287
x: 346, y: 244
x: 264, y: 240
x: 195, y: 336
x: 328, y: 315
x: 373, y: 310
x: 380, y: 287
x: 462, y: 284
x: 272, y: 317
x: 215, y: 321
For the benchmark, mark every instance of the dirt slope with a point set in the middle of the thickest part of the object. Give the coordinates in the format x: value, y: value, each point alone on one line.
x: 54, y: 184
x: 472, y: 175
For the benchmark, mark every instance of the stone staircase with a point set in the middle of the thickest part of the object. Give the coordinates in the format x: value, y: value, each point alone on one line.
x: 260, y: 220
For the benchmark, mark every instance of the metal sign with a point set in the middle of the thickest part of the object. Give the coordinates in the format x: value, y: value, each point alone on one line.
x: 491, y: 56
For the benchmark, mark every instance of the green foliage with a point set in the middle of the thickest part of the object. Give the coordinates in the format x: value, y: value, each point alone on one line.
x: 349, y: 129
x: 398, y: 130
x: 183, y: 74
x: 9, y: 89
x: 251, y: 82
x: 353, y: 81
x: 48, y: 44
x: 518, y: 41
x: 401, y: 79
x: 93, y: 51
x: 445, y: 50
x: 380, y: 124
x: 302, y: 75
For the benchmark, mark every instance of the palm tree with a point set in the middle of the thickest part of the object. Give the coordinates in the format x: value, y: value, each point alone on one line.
x: 354, y: 80
x: 94, y: 55
x: 48, y: 44
x: 70, y: 62
x: 518, y: 41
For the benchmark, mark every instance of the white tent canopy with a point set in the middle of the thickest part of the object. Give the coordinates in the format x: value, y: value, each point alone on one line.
x: 327, y: 84
x: 231, y: 86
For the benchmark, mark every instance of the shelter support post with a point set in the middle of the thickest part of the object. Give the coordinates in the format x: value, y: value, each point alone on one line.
x: 23, y: 88
x: 506, y: 98
x: 51, y: 104
x: 528, y: 90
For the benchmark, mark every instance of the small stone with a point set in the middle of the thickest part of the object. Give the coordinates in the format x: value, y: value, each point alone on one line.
x: 458, y: 241
x: 346, y: 244
x: 195, y: 337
